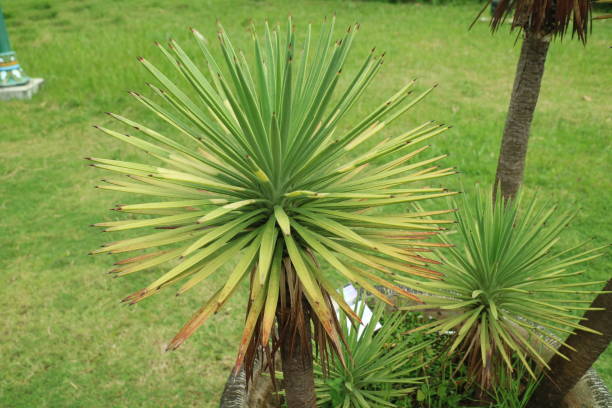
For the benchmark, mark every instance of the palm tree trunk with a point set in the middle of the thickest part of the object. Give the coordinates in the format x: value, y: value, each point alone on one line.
x: 296, y: 356
x: 523, y: 101
x: 564, y: 374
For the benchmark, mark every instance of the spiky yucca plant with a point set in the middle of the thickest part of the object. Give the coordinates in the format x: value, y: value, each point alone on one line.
x: 257, y: 170
x: 377, y: 367
x: 510, y: 288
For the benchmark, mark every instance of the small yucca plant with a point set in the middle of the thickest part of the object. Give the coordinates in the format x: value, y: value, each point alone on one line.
x: 509, y: 290
x: 376, y: 368
x: 257, y: 171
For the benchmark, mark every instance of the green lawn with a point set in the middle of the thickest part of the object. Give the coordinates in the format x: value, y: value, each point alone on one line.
x: 65, y: 341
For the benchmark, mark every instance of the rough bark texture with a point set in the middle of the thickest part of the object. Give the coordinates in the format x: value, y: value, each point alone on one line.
x: 234, y: 394
x: 523, y: 101
x: 298, y: 375
x: 259, y: 394
x: 564, y: 374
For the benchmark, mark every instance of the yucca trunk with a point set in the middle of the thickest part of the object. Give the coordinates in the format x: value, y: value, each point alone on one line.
x: 296, y: 356
x: 523, y: 101
x: 564, y: 374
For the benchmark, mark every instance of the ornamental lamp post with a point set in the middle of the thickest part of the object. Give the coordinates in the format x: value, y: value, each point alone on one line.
x: 11, y: 73
x: 14, y: 83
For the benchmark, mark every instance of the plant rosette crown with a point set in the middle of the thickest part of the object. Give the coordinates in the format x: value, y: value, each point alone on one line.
x: 377, y: 367
x: 509, y: 290
x: 257, y: 171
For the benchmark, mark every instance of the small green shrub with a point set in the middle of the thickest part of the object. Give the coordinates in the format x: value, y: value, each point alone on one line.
x: 380, y: 366
x: 445, y: 382
x: 439, y: 380
x: 508, y: 286
x: 514, y: 390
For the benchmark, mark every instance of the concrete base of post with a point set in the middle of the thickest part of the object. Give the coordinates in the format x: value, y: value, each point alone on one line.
x: 21, y: 91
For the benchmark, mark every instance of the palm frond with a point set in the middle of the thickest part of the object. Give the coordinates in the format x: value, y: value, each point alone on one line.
x: 545, y: 17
